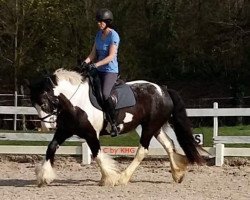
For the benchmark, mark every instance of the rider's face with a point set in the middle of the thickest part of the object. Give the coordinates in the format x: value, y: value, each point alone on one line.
x: 101, y: 25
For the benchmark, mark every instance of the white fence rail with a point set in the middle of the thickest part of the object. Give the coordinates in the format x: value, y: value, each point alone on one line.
x: 215, y: 112
x: 66, y: 150
x: 16, y: 110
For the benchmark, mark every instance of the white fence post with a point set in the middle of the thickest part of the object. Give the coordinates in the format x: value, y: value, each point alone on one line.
x: 219, y: 148
x: 219, y: 157
x: 15, y: 115
x: 86, y: 154
x: 215, y: 128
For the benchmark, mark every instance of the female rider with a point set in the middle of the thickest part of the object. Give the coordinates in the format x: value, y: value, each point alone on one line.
x: 104, y: 57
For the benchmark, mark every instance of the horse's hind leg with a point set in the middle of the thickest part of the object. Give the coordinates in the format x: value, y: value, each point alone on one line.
x: 141, y: 153
x: 128, y: 172
x: 178, y: 162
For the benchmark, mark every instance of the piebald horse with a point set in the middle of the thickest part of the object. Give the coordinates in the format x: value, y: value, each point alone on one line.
x: 66, y: 94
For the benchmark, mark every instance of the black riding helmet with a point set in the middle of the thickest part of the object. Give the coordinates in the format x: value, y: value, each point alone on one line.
x: 104, y: 15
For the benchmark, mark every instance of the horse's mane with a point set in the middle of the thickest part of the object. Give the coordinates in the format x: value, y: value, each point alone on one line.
x: 72, y: 76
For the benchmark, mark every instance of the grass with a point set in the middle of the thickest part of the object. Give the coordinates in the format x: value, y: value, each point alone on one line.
x: 132, y: 139
x: 129, y: 139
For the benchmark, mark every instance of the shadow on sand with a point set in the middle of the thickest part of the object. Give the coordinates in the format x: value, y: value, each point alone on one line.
x: 32, y: 183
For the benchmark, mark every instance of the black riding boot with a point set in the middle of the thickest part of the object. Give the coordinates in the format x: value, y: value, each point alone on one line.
x: 109, y: 109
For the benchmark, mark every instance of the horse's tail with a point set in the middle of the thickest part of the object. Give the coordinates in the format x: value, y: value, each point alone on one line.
x: 182, y: 128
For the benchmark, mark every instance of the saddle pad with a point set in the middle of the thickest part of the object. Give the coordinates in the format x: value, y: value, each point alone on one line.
x: 122, y: 93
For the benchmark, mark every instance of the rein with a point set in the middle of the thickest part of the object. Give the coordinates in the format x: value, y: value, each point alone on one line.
x: 75, y: 91
x: 47, y: 116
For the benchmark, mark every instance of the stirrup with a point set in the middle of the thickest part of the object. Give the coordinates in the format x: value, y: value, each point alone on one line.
x: 114, y: 131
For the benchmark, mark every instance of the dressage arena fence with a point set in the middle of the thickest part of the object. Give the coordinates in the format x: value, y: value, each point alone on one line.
x: 219, y: 151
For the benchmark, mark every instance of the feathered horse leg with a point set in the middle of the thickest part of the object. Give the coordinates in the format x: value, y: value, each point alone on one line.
x: 45, y: 173
x: 128, y: 172
x: 178, y: 162
x: 109, y: 170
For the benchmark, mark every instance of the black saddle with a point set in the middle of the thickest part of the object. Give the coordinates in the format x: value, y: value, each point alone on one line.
x: 121, y: 94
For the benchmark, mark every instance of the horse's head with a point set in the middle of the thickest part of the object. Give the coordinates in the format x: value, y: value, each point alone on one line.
x: 42, y: 94
x: 45, y: 92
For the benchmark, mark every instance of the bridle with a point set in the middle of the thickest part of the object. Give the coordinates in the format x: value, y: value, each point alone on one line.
x: 43, y: 119
x: 54, y: 101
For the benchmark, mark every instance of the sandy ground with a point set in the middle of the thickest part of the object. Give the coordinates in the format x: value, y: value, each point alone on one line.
x: 152, y: 180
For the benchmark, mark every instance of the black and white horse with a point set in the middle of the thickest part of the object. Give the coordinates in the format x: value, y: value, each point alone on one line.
x: 67, y: 93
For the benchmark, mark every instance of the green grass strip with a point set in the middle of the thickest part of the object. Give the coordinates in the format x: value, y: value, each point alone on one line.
x: 132, y: 138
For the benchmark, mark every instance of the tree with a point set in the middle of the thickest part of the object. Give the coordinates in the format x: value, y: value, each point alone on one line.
x: 160, y: 39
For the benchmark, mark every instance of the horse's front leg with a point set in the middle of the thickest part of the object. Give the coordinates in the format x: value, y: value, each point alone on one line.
x: 45, y: 173
x: 110, y: 172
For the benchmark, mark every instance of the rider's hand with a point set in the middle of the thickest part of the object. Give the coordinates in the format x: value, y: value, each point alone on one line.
x: 84, y: 65
x: 91, y: 66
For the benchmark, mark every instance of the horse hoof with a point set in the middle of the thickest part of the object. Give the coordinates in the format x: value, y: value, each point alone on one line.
x: 178, y: 177
x: 110, y: 181
x: 42, y: 184
x: 106, y: 183
x: 44, y: 174
x: 179, y: 180
x: 123, y: 180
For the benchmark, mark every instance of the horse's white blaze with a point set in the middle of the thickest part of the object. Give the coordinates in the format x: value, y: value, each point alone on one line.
x: 109, y: 170
x: 142, y: 81
x: 45, y: 173
x: 128, y: 117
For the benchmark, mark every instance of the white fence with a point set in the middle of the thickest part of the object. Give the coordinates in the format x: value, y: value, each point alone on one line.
x: 219, y: 150
x: 16, y: 96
